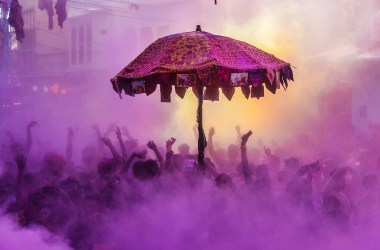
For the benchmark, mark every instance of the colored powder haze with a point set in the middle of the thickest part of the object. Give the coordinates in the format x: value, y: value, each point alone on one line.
x: 308, y: 121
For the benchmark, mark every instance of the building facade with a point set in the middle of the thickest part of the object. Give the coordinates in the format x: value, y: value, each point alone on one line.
x: 96, y: 41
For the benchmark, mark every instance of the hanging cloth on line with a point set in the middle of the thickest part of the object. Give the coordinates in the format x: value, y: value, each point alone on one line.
x: 60, y: 10
x: 15, y: 20
x: 48, y: 6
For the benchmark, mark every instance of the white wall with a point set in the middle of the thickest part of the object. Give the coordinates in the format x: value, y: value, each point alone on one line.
x: 365, y: 95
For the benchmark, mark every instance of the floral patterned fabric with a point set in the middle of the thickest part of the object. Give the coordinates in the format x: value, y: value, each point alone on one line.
x: 211, y: 57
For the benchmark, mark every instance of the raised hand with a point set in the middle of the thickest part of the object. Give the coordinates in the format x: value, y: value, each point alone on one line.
x: 106, y: 141
x: 169, y: 144
x: 267, y: 151
x: 211, y: 132
x: 195, y: 128
x: 29, y: 140
x: 20, y: 160
x: 237, y: 129
x: 32, y: 124
x: 245, y: 138
x: 118, y: 132
x: 70, y: 132
x: 152, y: 145
x: 69, y: 146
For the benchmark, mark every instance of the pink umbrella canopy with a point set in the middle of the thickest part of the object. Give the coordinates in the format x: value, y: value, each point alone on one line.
x: 205, y: 63
x: 199, y: 58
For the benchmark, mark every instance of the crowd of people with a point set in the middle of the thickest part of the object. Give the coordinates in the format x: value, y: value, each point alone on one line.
x: 117, y: 197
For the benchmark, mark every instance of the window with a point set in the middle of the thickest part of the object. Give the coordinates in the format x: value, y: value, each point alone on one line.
x: 89, y: 43
x: 81, y: 44
x: 73, y: 45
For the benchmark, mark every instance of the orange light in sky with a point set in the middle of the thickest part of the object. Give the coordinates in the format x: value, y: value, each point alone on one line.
x: 263, y: 116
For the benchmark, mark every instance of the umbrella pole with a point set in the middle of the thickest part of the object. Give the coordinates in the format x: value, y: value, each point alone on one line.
x: 201, y: 137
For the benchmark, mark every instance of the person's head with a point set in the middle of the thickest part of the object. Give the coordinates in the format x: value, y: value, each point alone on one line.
x: 54, y: 164
x: 223, y: 181
x: 184, y: 149
x: 145, y: 170
x: 106, y: 167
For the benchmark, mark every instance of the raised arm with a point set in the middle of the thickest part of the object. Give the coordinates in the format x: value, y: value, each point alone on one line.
x: 211, y: 149
x: 195, y: 131
x: 169, y: 154
x: 100, y: 148
x: 69, y: 146
x: 244, y: 158
x: 153, y: 147
x: 131, y: 158
x: 109, y: 144
x: 238, y: 134
x: 122, y: 145
x: 210, y: 145
x: 270, y: 156
x: 21, y: 165
x: 29, y: 140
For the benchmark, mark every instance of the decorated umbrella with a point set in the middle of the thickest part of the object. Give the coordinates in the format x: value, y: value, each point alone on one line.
x: 205, y: 63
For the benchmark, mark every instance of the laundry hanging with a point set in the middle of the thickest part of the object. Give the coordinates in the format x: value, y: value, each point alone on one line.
x: 16, y: 21
x: 60, y: 10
